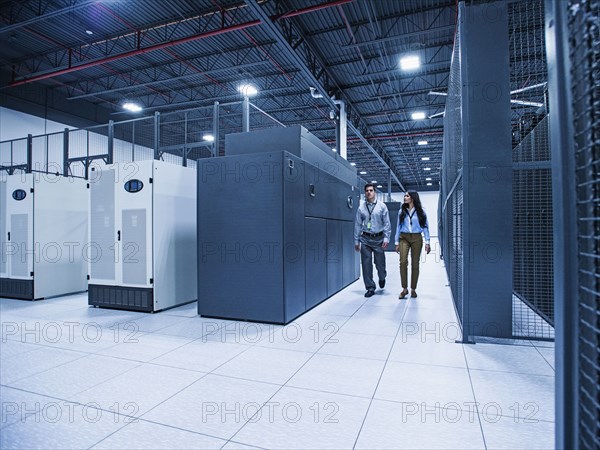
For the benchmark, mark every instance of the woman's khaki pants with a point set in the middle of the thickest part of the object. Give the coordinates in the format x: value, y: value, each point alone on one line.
x: 412, y: 242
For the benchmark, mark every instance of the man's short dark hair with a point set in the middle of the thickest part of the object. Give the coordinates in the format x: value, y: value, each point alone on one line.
x: 370, y: 185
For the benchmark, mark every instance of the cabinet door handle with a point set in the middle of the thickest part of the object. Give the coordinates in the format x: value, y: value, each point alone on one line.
x: 9, y: 235
x: 119, y: 235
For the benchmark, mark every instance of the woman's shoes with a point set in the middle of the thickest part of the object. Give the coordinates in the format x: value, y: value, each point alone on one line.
x: 404, y: 293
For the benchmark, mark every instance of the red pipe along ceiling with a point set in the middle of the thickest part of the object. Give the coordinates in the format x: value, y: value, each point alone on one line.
x: 164, y: 45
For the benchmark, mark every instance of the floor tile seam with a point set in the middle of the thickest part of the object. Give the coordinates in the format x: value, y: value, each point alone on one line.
x: 60, y: 347
x: 139, y: 419
x: 385, y: 400
x: 282, y: 347
x: 491, y: 341
x: 545, y: 359
x: 285, y: 384
x: 252, y: 344
x: 156, y: 329
x: 73, y: 402
x: 192, y: 383
x: 202, y: 336
x: 151, y: 361
x: 240, y: 443
x: 320, y: 345
x: 83, y: 355
x: 368, y: 334
x: 477, y: 369
x: 174, y: 427
x: 111, y: 378
x: 385, y: 364
x: 543, y: 343
x: 442, y: 366
x: 179, y: 315
x: 6, y: 358
x: 352, y: 356
x: 474, y: 396
x: 6, y: 425
x: 192, y: 340
x: 141, y: 416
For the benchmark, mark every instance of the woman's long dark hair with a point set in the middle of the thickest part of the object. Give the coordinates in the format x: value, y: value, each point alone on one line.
x: 418, y: 207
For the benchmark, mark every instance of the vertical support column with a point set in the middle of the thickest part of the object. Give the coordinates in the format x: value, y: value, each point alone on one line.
x: 245, y: 114
x: 66, y: 152
x: 185, y: 149
x: 565, y: 225
x: 29, y: 153
x: 133, y: 141
x: 343, y: 130
x: 156, y: 135
x: 215, y: 146
x: 486, y: 171
x: 111, y: 142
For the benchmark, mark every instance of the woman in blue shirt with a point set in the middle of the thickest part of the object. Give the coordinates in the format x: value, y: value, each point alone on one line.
x: 412, y: 224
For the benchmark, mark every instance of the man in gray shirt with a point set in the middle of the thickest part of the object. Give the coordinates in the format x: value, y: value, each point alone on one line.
x: 372, y: 231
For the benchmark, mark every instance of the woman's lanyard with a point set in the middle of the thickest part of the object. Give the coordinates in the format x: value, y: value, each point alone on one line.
x: 410, y: 216
x: 370, y: 211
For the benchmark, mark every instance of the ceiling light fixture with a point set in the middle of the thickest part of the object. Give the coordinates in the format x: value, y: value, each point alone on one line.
x: 418, y: 115
x: 425, y: 158
x: 410, y: 62
x: 133, y: 107
x: 422, y: 143
x: 427, y: 179
x: 363, y: 172
x: 90, y: 32
x: 379, y: 186
x: 353, y: 164
x: 429, y: 184
x: 247, y: 90
x: 208, y: 138
x: 427, y: 168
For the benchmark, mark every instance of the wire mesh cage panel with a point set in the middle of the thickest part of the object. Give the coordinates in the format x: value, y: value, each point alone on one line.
x: 186, y: 134
x: 533, y: 280
x: 133, y: 140
x: 13, y: 153
x: 584, y: 40
x: 451, y: 185
x: 533, y: 297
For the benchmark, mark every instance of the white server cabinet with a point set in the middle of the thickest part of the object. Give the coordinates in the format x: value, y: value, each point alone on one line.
x: 43, y: 229
x: 142, y: 236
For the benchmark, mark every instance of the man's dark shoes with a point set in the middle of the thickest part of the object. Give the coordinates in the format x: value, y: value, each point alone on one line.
x: 382, y: 283
x: 369, y: 293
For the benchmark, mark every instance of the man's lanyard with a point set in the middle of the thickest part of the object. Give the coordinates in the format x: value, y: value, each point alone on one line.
x: 370, y: 211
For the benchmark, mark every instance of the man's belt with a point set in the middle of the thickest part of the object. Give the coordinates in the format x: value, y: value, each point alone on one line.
x: 372, y: 235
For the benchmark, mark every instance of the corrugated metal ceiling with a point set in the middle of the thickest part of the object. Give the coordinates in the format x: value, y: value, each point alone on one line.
x: 106, y: 51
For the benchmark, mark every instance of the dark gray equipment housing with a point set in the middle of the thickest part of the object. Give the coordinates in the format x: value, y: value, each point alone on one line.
x: 275, y: 226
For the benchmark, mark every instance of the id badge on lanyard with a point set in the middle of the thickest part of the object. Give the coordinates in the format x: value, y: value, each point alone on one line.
x: 370, y: 211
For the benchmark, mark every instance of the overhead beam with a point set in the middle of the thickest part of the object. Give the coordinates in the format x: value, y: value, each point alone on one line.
x: 300, y: 64
x: 403, y: 36
x: 50, y: 15
x: 140, y: 51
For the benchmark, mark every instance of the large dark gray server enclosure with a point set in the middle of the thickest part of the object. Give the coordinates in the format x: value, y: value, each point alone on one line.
x: 275, y: 226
